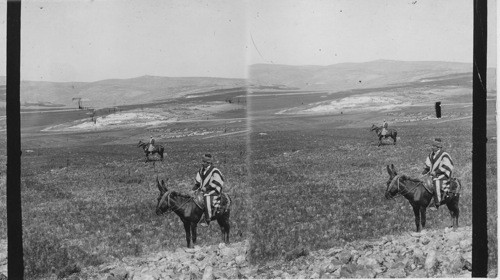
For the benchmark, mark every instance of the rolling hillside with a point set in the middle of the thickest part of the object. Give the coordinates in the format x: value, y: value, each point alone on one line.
x: 118, y: 92
x: 331, y: 78
x: 347, y: 76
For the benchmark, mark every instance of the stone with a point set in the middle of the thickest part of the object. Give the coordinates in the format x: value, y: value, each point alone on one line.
x: 367, y: 261
x: 344, y: 256
x: 465, y: 244
x: 431, y: 262
x: 356, y: 271
x: 208, y: 273
x: 296, y: 253
x: 395, y: 273
x: 146, y: 276
x: 240, y: 259
x: 419, y: 273
x: 455, y: 265
x: 119, y: 273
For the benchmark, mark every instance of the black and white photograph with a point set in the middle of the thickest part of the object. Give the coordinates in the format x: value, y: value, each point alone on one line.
x: 250, y: 139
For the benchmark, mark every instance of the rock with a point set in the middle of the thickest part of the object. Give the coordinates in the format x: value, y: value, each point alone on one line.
x: 455, y: 265
x: 356, y: 271
x: 344, y: 256
x: 208, y: 273
x: 419, y: 273
x: 333, y: 251
x: 296, y: 253
x: 467, y: 265
x: 232, y: 273
x: 431, y: 263
x: 395, y: 273
x: 119, y: 273
x: 240, y: 259
x: 466, y: 244
x: 146, y: 276
x: 367, y: 261
x: 315, y: 275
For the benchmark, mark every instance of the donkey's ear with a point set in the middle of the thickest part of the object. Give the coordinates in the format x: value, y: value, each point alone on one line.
x: 158, y: 184
x: 164, y: 186
x: 394, y: 169
x: 389, y: 170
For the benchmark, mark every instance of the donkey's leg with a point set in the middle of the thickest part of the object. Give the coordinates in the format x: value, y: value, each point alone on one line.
x: 454, y: 210
x: 224, y: 227
x: 187, y: 229
x: 416, y: 211
x: 193, y: 232
x: 423, y: 217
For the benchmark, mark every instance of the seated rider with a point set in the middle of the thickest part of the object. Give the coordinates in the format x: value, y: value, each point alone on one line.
x: 384, y: 128
x: 151, y: 144
x: 439, y: 166
x: 209, y: 180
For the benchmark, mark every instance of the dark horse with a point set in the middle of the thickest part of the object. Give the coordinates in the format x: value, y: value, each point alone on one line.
x: 390, y: 133
x: 419, y: 196
x: 158, y: 149
x: 190, y: 213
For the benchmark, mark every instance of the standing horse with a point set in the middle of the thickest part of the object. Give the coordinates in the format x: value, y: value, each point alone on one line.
x: 419, y: 196
x: 190, y: 212
x: 158, y: 149
x: 390, y: 133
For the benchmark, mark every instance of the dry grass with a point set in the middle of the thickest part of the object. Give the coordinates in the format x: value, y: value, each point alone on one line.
x: 322, y: 188
x: 89, y: 204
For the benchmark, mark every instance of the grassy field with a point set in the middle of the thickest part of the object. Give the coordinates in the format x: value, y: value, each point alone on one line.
x: 316, y: 181
x: 320, y: 188
x: 85, y: 205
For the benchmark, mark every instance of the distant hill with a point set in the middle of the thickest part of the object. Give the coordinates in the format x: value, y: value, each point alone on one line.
x: 117, y: 92
x: 331, y: 78
x: 346, y: 76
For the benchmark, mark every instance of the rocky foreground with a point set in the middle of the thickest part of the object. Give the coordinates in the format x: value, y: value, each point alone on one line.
x: 432, y: 253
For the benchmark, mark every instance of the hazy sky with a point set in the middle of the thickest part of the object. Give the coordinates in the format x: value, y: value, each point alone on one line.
x: 328, y: 32
x: 91, y: 40
x: 82, y: 40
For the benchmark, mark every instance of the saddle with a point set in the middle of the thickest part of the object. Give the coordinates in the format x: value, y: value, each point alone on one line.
x: 455, y: 185
x: 225, y: 202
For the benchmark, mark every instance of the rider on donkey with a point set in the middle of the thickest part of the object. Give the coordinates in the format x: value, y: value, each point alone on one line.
x: 384, y: 128
x: 209, y: 180
x: 439, y: 166
x: 151, y: 144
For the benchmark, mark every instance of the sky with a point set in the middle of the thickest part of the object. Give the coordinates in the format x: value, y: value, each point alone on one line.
x: 90, y: 40
x: 328, y: 32
x: 80, y: 40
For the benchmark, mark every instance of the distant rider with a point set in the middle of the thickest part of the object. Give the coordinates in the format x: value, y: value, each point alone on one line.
x: 151, y: 144
x: 209, y: 180
x: 439, y: 166
x: 384, y: 128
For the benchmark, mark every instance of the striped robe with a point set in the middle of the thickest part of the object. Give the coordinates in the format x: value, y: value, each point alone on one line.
x: 210, y: 181
x: 442, y: 165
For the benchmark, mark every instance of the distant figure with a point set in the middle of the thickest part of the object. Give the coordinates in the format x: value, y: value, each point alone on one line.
x: 384, y: 128
x: 210, y: 181
x: 439, y: 166
x: 151, y: 144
